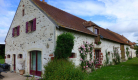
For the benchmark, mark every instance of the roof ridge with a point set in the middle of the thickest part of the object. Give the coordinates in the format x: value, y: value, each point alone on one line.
x: 124, y: 38
x: 61, y: 10
x: 63, y: 18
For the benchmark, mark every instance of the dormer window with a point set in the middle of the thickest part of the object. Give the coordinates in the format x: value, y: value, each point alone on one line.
x: 96, y: 31
x: 127, y: 41
x: 92, y: 27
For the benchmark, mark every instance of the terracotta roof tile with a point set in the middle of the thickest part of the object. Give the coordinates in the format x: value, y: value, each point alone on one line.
x: 108, y: 35
x: 63, y: 18
x: 122, y: 38
x: 70, y: 21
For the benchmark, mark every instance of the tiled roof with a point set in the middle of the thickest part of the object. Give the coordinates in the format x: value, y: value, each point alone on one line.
x: 121, y: 37
x: 70, y: 21
x: 63, y: 18
x: 108, y: 35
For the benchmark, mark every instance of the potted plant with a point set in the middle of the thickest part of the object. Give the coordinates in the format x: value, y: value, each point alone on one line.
x: 22, y: 68
x: 99, y: 42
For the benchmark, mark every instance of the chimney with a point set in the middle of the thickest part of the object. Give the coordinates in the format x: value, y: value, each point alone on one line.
x: 43, y: 1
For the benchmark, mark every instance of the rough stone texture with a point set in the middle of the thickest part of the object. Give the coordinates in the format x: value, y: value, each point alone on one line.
x: 79, y: 38
x: 42, y: 39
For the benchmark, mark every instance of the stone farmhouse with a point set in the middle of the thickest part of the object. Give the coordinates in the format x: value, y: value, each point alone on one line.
x: 33, y: 33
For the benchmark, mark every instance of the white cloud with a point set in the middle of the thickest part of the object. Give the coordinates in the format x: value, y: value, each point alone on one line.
x: 81, y: 8
x: 6, y: 17
x: 123, y: 11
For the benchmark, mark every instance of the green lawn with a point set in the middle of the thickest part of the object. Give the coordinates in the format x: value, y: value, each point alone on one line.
x: 124, y: 71
x: 1, y: 61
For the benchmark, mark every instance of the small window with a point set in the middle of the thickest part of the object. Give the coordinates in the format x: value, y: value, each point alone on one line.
x: 108, y: 53
x: 96, y: 31
x: 31, y: 26
x: 23, y: 12
x: 20, y: 56
x: 72, y: 55
x: 8, y: 56
x: 15, y: 31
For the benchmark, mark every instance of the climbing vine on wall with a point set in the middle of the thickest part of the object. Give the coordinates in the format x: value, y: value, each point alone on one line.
x: 84, y: 50
x: 127, y: 52
x: 107, y: 58
x: 116, y: 55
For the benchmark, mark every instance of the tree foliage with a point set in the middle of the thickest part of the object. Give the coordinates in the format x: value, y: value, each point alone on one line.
x: 65, y: 43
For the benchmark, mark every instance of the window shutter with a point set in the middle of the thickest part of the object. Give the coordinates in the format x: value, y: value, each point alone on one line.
x: 34, y: 24
x: 13, y: 32
x: 26, y: 27
x: 18, y: 30
x: 97, y: 31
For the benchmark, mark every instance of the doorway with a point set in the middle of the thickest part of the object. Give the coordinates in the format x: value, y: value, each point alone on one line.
x: 122, y: 51
x: 35, y: 63
x: 14, y: 62
x: 97, y: 57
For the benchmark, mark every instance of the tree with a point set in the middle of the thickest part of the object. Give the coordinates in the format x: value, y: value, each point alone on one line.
x: 65, y: 43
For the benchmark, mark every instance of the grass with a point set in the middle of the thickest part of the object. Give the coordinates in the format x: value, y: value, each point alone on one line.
x: 1, y: 61
x: 124, y: 71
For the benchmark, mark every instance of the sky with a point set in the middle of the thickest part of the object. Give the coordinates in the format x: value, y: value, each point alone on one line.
x: 120, y: 16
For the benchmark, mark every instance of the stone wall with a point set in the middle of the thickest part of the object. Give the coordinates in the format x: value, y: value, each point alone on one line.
x: 43, y: 39
x: 80, y: 37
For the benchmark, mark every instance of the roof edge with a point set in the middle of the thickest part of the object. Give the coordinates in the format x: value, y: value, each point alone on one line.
x: 12, y: 21
x: 56, y: 23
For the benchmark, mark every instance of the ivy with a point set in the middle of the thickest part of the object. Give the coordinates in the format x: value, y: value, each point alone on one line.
x: 127, y: 52
x: 116, y: 58
x: 107, y: 59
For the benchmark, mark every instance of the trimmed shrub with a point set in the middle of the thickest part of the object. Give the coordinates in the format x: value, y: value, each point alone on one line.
x: 65, y: 43
x: 62, y: 69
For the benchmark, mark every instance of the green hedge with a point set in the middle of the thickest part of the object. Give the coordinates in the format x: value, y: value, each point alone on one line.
x: 65, y: 43
x: 62, y: 69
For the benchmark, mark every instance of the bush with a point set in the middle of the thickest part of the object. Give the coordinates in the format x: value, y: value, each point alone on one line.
x: 65, y: 43
x: 62, y: 69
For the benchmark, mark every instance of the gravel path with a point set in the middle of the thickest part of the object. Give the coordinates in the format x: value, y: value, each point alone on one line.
x: 14, y: 76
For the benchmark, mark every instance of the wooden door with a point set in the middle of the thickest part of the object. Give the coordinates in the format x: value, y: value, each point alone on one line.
x: 14, y: 62
x: 122, y: 51
x: 35, y: 63
x: 97, y: 57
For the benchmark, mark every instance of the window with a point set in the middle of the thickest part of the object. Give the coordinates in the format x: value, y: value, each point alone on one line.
x: 31, y: 26
x: 20, y: 56
x: 96, y: 31
x: 72, y: 55
x: 16, y: 31
x: 8, y: 56
x: 23, y: 12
